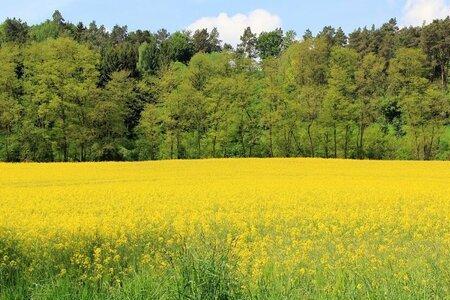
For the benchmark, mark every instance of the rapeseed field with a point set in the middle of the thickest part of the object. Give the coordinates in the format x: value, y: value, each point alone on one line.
x: 225, y: 229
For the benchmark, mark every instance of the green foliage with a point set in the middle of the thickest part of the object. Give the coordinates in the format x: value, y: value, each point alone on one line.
x: 59, y: 82
x: 180, y: 47
x: 75, y: 93
x: 425, y: 107
x: 196, y: 269
x: 436, y: 44
x: 44, y: 31
x: 118, y: 57
x: 206, y: 272
x: 248, y: 43
x: 206, y: 42
x: 270, y: 43
x: 148, y: 58
x: 13, y: 31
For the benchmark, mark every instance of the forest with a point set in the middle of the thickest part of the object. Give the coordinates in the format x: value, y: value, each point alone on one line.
x: 76, y: 92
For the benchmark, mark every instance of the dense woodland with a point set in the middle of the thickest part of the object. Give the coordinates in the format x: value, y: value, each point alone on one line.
x: 70, y: 92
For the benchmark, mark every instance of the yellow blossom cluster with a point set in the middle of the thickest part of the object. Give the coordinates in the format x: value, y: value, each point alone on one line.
x: 308, y: 223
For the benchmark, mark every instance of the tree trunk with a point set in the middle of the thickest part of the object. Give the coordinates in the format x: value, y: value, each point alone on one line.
x: 178, y: 145
x: 287, y: 143
x: 82, y: 154
x: 296, y: 143
x: 7, y: 148
x: 346, y: 141
x: 214, y: 146
x: 361, y: 141
x: 417, y: 145
x: 326, y: 145
x: 244, y: 150
x: 65, y: 149
x: 199, y: 146
x: 171, y: 147
x: 311, y: 142
x: 428, y: 149
x: 443, y: 76
x: 335, y: 140
x: 270, y: 142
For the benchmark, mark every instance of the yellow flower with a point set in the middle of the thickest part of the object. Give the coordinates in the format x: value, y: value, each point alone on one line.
x: 299, y: 217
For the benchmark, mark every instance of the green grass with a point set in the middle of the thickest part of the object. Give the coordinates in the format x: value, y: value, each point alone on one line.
x: 205, y: 270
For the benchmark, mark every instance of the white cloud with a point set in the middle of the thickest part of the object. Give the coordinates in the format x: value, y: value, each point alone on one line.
x: 418, y: 11
x: 232, y: 27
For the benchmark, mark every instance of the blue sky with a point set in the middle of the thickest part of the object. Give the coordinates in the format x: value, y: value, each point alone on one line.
x: 181, y: 14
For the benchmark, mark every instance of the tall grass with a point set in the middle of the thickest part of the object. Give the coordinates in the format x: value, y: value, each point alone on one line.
x: 205, y: 269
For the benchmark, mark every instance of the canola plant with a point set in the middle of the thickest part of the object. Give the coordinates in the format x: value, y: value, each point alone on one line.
x: 224, y: 229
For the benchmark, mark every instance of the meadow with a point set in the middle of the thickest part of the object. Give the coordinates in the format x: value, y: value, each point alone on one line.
x: 225, y: 229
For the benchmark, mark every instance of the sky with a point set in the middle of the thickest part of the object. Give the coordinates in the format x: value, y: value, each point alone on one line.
x: 231, y: 17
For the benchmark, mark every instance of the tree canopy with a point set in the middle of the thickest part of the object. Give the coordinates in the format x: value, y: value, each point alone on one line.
x: 70, y: 92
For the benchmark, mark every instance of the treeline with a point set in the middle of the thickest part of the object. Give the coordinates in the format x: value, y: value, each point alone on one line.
x: 75, y: 93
